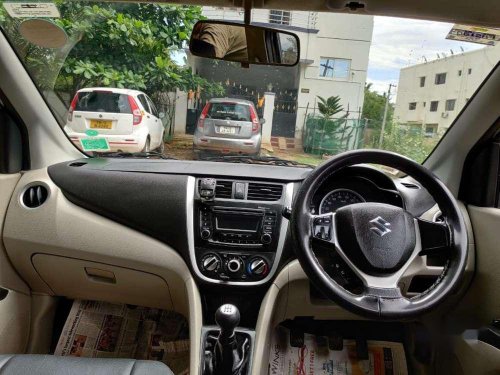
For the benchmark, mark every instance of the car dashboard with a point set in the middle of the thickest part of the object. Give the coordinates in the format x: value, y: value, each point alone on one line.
x: 143, y: 232
x: 237, y: 236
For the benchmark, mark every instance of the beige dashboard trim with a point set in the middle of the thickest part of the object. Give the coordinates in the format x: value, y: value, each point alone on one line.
x: 9, y: 279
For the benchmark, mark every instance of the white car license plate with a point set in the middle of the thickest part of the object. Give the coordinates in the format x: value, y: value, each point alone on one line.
x: 227, y: 130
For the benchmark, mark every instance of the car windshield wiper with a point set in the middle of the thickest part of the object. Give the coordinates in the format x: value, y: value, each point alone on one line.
x: 270, y: 160
x: 146, y: 155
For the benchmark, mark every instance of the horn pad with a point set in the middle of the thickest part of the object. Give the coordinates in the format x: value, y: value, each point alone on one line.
x: 378, y: 238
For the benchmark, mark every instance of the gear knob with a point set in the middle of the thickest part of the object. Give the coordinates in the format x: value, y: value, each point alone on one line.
x: 227, y: 318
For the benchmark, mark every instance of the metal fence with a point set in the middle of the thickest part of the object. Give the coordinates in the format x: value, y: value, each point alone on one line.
x: 332, y: 136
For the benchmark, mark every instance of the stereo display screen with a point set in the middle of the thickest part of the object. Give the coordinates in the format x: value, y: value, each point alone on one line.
x: 237, y: 222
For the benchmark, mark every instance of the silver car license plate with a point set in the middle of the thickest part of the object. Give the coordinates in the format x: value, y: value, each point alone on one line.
x: 227, y: 130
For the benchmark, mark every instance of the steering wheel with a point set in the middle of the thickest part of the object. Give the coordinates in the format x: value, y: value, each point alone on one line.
x: 379, y: 241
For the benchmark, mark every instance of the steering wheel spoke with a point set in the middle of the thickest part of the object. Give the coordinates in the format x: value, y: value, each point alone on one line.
x: 434, y: 237
x: 322, y: 228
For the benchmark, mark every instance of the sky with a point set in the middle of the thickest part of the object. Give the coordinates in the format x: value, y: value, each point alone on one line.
x: 399, y: 42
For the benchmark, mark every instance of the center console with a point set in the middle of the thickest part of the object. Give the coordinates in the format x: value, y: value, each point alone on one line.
x: 238, y: 229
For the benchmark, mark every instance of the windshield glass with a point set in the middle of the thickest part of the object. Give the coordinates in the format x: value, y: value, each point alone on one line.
x: 101, y: 101
x: 119, y: 78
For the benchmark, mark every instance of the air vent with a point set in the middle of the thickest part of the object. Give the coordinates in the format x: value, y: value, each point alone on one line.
x: 35, y: 196
x: 264, y: 192
x: 438, y: 217
x: 224, y: 189
x: 409, y: 185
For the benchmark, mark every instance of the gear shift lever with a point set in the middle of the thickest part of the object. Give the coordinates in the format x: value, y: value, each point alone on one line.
x: 229, y: 353
x: 227, y: 318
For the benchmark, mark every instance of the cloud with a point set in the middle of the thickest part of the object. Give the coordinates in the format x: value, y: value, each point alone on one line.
x: 401, y: 42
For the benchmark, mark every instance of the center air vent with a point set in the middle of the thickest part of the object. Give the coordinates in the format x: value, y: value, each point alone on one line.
x: 223, y: 189
x: 264, y: 192
x: 35, y: 196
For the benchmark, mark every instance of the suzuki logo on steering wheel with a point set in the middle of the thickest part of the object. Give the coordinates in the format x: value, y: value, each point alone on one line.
x: 380, y: 226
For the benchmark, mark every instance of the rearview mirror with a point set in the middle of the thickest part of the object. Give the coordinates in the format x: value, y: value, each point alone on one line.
x: 246, y: 44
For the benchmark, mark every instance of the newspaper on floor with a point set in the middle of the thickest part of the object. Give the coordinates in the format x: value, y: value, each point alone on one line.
x: 315, y: 358
x: 106, y: 330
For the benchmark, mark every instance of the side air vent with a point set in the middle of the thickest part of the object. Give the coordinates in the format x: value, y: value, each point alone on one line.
x: 35, y: 196
x: 264, y: 192
x: 438, y: 217
x: 409, y: 185
x: 224, y: 189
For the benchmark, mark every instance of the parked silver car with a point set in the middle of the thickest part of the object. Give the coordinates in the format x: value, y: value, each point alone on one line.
x: 229, y: 126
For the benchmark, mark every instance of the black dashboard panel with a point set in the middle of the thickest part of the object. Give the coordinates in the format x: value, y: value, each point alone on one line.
x: 154, y: 204
x: 196, y: 168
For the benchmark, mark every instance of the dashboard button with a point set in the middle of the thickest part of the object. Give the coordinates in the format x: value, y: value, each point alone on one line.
x: 266, y: 238
x: 234, y: 265
x: 258, y: 267
x: 239, y: 190
x: 210, y: 263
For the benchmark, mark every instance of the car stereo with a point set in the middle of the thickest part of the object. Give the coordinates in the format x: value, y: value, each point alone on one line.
x: 238, y: 229
x: 237, y: 226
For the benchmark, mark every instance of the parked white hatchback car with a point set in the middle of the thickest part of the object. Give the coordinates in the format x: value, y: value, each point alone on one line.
x: 128, y: 119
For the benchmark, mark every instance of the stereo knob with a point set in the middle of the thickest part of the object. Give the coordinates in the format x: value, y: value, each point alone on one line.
x: 205, y: 234
x: 210, y: 263
x: 258, y: 267
x: 234, y: 265
x: 266, y: 238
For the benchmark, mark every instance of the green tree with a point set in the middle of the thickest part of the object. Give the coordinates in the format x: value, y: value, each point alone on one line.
x: 373, y: 112
x: 399, y: 139
x: 329, y: 107
x: 413, y: 145
x: 114, y: 45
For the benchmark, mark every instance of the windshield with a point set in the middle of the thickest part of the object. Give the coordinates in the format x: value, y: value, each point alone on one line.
x: 101, y: 101
x: 120, y: 80
x: 229, y: 111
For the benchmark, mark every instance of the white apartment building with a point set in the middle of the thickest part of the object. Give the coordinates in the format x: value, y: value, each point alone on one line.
x: 334, y: 51
x: 430, y: 95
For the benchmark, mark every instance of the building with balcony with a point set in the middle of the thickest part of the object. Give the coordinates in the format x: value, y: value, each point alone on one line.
x: 430, y: 95
x: 334, y: 51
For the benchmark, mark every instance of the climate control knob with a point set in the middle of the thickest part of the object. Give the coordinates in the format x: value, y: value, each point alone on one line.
x: 234, y: 265
x: 210, y: 263
x: 258, y: 267
x: 266, y: 238
x: 205, y: 234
